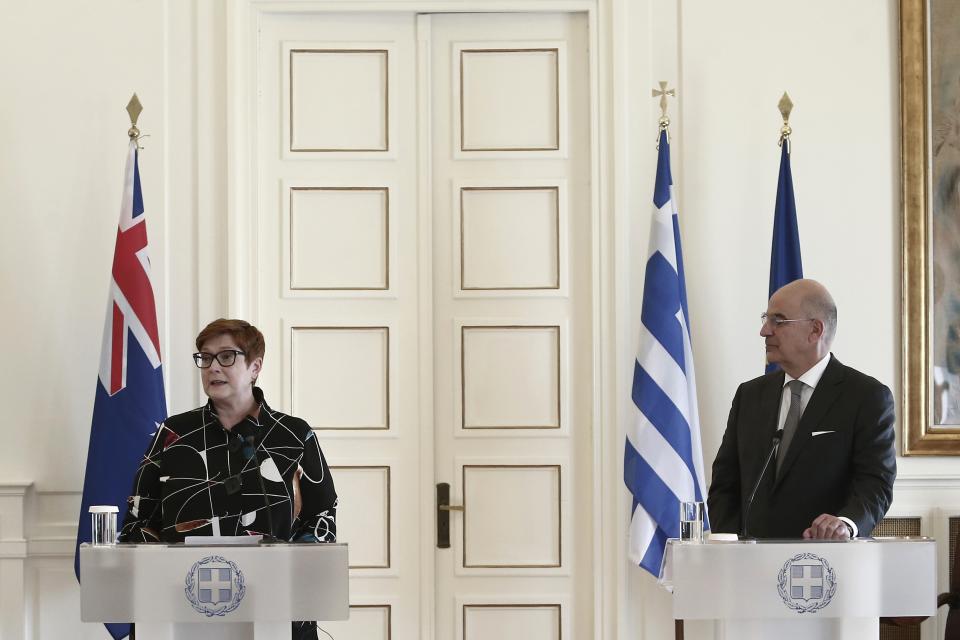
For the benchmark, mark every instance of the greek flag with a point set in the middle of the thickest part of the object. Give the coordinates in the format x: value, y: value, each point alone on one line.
x: 785, y: 263
x: 663, y: 459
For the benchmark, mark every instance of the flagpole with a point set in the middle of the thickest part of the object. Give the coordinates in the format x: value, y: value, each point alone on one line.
x: 663, y: 452
x: 134, y: 108
x: 129, y: 403
x: 786, y: 264
x: 786, y: 106
x: 664, y: 123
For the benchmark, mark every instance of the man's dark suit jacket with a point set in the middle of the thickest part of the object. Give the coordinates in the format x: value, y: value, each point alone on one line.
x: 847, y: 469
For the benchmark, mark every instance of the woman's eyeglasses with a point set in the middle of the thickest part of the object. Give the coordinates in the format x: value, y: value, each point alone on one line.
x: 225, y: 358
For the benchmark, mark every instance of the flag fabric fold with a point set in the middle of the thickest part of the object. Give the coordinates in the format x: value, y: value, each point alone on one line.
x: 663, y: 457
x: 130, y: 401
x: 785, y: 263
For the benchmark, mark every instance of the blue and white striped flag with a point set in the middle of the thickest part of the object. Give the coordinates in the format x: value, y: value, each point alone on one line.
x: 663, y: 459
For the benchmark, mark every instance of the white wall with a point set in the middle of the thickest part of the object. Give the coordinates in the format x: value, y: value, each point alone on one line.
x: 70, y: 67
x: 68, y: 70
x: 732, y: 62
x: 842, y: 74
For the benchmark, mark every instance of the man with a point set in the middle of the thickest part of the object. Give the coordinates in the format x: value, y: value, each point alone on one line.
x: 832, y: 474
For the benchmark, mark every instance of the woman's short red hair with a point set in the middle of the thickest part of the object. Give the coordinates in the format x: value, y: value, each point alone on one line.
x: 247, y: 336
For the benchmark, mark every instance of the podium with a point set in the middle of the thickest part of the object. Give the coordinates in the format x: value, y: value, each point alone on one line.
x: 188, y: 592
x: 792, y: 589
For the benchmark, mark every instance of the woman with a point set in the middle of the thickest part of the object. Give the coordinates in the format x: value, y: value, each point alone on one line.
x: 199, y: 475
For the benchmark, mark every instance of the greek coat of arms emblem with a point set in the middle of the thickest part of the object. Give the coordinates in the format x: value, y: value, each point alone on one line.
x: 807, y: 583
x: 214, y: 586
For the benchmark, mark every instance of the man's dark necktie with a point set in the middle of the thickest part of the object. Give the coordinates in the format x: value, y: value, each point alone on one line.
x: 790, y: 424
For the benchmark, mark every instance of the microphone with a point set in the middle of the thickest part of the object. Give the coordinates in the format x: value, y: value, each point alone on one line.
x: 753, y: 493
x: 248, y: 449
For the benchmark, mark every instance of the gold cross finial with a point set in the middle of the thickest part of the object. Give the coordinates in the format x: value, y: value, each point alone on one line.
x: 134, y: 108
x: 786, y: 106
x: 663, y: 92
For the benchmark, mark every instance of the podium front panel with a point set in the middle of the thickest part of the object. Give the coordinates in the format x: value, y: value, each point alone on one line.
x: 802, y: 579
x: 193, y: 583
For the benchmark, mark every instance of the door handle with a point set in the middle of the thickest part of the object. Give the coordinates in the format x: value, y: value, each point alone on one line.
x: 443, y: 514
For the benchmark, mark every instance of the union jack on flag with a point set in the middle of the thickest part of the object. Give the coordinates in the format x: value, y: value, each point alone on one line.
x: 130, y: 400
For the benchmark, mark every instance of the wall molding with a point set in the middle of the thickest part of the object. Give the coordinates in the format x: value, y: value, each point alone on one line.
x: 927, y: 481
x: 61, y: 547
x: 13, y: 556
x: 13, y: 542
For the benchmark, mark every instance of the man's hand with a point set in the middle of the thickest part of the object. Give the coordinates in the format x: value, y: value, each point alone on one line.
x: 827, y: 527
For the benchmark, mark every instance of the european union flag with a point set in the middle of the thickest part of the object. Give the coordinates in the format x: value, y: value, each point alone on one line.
x: 785, y: 263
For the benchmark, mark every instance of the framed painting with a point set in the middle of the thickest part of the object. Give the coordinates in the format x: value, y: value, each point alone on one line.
x: 930, y: 170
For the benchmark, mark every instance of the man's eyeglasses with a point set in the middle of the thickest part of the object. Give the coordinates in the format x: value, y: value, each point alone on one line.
x: 225, y: 358
x: 775, y: 321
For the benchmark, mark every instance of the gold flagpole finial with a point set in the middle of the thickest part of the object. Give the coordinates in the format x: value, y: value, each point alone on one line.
x: 786, y: 106
x: 134, y: 108
x: 662, y: 93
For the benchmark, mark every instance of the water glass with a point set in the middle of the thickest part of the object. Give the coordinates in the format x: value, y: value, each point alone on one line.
x: 103, y: 525
x: 691, y: 521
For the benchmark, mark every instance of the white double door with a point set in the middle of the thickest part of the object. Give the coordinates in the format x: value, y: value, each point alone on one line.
x: 422, y: 224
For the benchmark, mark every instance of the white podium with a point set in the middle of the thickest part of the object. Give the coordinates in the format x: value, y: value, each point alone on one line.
x: 187, y: 592
x: 794, y: 589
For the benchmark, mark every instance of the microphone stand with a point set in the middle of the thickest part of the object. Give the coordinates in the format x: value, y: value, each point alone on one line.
x: 753, y: 493
x: 249, y: 452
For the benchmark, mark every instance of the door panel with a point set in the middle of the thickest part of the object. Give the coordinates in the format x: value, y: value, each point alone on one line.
x: 512, y: 323
x: 337, y: 290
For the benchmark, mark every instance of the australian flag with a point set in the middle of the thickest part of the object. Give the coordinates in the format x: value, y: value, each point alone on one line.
x: 785, y: 263
x: 663, y: 457
x: 130, y: 400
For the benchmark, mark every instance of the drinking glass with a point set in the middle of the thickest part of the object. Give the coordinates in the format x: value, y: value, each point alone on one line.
x: 103, y: 521
x: 691, y: 521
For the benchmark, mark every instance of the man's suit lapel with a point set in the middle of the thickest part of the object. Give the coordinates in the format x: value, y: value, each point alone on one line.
x: 827, y: 391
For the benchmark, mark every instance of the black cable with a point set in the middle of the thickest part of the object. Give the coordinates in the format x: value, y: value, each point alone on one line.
x: 325, y: 632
